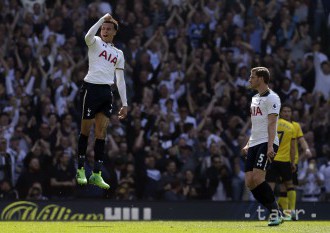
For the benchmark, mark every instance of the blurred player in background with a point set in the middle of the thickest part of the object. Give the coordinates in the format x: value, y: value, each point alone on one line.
x: 284, y: 162
x: 263, y: 143
x: 105, y: 63
x: 287, y: 199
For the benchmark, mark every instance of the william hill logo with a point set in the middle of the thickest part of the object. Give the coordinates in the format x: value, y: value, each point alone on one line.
x: 24, y: 210
x: 30, y: 211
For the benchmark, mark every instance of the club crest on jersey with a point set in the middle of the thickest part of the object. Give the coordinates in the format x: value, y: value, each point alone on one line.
x: 255, y: 111
x: 110, y: 57
x: 274, y: 106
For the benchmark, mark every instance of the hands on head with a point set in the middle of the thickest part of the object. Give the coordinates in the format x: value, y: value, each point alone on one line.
x: 107, y: 17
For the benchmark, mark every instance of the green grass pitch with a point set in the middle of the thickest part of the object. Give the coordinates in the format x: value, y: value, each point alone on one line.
x: 164, y: 227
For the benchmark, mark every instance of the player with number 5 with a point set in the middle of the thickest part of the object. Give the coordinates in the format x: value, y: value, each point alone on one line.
x: 263, y: 143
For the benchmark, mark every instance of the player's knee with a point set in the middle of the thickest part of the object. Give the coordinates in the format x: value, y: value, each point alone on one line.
x: 101, y: 130
x: 257, y: 179
x: 86, y: 126
x: 100, y: 134
x: 249, y: 183
x: 85, y: 131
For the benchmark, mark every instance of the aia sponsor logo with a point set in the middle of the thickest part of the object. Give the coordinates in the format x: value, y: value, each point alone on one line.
x: 111, y: 58
x: 255, y: 111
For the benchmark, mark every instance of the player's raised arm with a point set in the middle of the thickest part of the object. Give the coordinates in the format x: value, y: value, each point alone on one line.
x: 90, y: 36
x: 96, y: 106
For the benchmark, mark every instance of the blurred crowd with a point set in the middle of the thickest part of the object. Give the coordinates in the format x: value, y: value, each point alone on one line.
x: 187, y: 68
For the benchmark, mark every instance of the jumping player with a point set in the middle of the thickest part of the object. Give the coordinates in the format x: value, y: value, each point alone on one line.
x: 106, y: 63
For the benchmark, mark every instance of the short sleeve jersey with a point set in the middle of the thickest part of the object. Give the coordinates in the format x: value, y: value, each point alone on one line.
x: 262, y: 106
x: 298, y: 134
x: 286, y: 133
x: 103, y: 59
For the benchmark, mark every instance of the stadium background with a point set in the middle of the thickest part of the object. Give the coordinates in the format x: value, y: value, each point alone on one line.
x: 187, y: 67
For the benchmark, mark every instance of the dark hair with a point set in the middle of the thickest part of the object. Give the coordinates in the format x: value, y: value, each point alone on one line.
x: 262, y: 72
x: 114, y: 22
x: 286, y: 105
x: 324, y: 63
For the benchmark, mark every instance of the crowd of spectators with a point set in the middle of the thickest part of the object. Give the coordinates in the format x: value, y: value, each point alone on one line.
x: 187, y: 69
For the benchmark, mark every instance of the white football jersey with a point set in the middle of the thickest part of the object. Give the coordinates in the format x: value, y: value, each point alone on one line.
x: 261, y: 107
x: 103, y: 60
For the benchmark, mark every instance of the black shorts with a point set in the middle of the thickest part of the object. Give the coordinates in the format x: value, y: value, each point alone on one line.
x: 257, y: 157
x: 295, y: 176
x: 279, y: 172
x: 95, y: 98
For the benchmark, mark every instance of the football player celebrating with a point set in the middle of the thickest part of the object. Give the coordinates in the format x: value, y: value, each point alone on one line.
x: 105, y: 63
